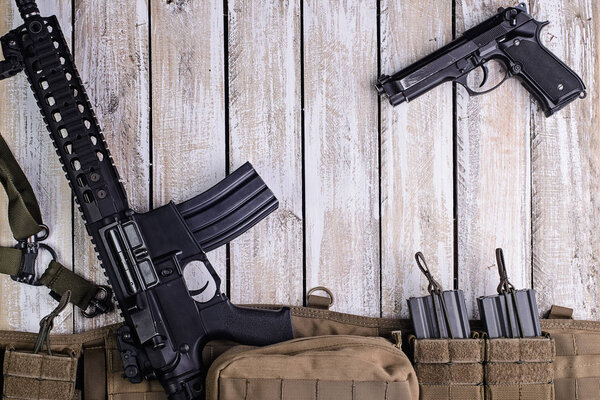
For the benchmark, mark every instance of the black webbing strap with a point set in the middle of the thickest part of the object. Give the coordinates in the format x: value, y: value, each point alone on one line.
x: 26, y: 224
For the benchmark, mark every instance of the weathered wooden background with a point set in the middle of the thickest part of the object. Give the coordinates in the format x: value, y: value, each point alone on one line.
x: 188, y: 90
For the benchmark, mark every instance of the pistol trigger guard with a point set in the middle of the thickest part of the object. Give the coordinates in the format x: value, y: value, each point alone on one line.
x: 463, y: 82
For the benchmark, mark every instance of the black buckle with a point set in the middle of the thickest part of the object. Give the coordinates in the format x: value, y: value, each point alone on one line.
x: 101, y: 303
x: 30, y: 248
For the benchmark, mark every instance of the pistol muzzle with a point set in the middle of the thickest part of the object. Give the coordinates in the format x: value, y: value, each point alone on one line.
x: 390, y: 88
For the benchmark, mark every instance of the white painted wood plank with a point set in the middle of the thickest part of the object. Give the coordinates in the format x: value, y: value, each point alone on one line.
x: 416, y: 159
x: 188, y: 117
x: 22, y: 127
x: 566, y: 167
x: 341, y: 152
x: 494, y: 193
x: 265, y: 129
x: 111, y: 53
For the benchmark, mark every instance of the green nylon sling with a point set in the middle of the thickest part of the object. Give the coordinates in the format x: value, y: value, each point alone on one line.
x: 25, y: 221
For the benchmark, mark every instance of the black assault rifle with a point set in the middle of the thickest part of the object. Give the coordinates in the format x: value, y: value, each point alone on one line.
x: 513, y: 38
x: 148, y: 258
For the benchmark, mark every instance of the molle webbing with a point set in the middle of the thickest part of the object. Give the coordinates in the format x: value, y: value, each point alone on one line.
x: 319, y: 368
x: 449, y: 368
x: 576, y: 367
x: 30, y: 376
x: 519, y: 369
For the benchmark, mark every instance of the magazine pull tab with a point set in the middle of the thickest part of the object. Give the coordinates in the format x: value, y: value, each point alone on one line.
x: 511, y: 313
x: 442, y: 314
x: 434, y: 287
x: 504, y: 286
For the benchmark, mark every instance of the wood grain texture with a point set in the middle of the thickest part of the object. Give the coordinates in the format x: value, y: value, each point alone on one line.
x: 493, y: 177
x: 111, y: 53
x: 525, y: 182
x: 566, y: 167
x: 22, y: 127
x: 265, y: 129
x: 188, y: 112
x: 416, y: 159
x: 341, y: 152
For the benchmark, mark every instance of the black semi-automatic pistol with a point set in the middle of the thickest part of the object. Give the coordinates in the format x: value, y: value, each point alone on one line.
x: 511, y: 37
x: 152, y: 260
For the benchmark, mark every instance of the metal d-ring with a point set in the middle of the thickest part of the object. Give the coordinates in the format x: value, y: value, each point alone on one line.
x: 323, y: 289
x: 45, y: 234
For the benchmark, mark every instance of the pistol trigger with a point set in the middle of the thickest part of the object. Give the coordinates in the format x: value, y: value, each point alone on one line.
x: 486, y: 72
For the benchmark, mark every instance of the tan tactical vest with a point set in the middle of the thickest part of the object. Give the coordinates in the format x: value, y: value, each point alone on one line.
x: 335, y: 356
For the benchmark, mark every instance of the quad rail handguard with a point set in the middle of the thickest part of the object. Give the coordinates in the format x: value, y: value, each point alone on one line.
x: 168, y: 292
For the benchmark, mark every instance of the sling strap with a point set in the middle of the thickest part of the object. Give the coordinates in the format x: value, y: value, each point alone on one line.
x: 25, y: 220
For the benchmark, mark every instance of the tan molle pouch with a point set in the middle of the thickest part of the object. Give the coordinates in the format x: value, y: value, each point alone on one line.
x: 519, y: 369
x: 449, y: 368
x: 29, y: 376
x: 314, y: 368
x: 577, y: 365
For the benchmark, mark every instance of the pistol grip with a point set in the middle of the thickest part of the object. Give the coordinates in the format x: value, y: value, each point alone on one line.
x: 251, y: 326
x: 545, y: 76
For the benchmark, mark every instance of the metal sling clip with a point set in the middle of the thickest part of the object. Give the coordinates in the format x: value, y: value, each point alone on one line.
x: 101, y: 303
x: 30, y: 249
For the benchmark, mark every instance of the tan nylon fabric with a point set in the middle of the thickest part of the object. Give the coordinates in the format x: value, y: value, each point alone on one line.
x: 94, y: 372
x: 29, y: 376
x: 519, y: 368
x: 577, y: 375
x: 119, y: 388
x: 313, y: 389
x: 452, y: 392
x: 326, y: 367
x: 320, y: 302
x: 441, y: 351
x: 577, y: 366
x: 449, y: 368
x: 521, y: 392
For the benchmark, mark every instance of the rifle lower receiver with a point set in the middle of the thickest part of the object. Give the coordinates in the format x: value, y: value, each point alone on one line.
x: 168, y: 291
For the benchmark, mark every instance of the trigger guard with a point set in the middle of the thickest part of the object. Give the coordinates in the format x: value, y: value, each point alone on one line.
x: 462, y: 80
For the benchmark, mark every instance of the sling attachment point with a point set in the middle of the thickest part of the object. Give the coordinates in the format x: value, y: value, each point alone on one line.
x: 30, y: 249
x: 26, y: 224
x: 13, y: 60
x: 321, y: 302
x: 100, y: 304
